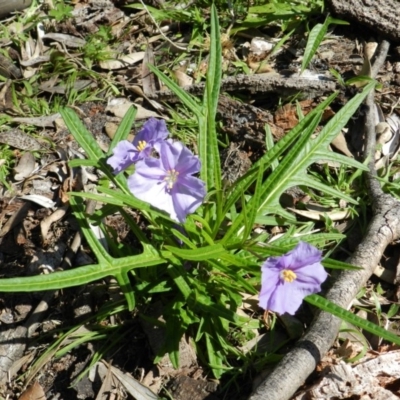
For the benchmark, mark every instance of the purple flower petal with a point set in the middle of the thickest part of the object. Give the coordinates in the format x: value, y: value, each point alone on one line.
x: 153, y: 130
x: 167, y: 183
x: 123, y: 155
x: 127, y: 153
x: 286, y: 280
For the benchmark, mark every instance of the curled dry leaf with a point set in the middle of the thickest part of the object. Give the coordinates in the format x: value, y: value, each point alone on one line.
x: 45, y: 224
x: 260, y: 46
x: 26, y: 165
x: 123, y: 61
x: 67, y: 40
x: 120, y: 106
x: 38, y: 199
x: 340, y: 144
x: 183, y: 79
x: 318, y: 215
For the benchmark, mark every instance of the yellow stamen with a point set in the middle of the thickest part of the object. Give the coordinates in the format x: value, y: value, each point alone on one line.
x: 141, y: 145
x: 288, y: 275
x: 171, y: 178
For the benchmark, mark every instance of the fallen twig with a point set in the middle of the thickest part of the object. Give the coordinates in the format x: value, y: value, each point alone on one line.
x: 381, y: 16
x: 300, y: 362
x: 262, y: 83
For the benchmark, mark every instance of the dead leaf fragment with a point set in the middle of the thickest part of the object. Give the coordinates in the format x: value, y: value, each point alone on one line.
x: 339, y: 142
x: 119, y: 107
x: 123, y: 61
x: 133, y: 387
x: 68, y: 40
x: 45, y: 121
x: 25, y: 167
x: 34, y: 392
x: 18, y: 139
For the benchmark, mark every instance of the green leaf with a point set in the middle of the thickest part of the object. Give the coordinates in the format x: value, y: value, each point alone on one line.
x: 251, y: 212
x: 124, y: 128
x: 272, y: 155
x: 81, y: 134
x: 294, y: 166
x: 203, y: 253
x: 275, y: 180
x: 189, y: 101
x: 207, y: 139
x: 79, y: 276
x: 315, y: 38
x: 347, y: 316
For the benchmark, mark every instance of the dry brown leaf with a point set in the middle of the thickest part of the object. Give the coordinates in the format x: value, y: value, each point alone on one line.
x: 45, y: 224
x: 25, y: 167
x: 34, y: 392
x: 183, y: 79
x: 340, y: 144
x: 119, y: 107
x: 123, y: 61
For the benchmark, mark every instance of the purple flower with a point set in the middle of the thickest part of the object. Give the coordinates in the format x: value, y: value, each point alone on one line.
x: 287, y: 279
x: 127, y: 153
x: 167, y: 182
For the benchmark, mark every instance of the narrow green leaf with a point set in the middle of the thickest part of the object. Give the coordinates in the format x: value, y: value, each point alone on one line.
x: 99, y: 251
x: 98, y: 197
x: 347, y: 316
x: 124, y: 128
x: 315, y: 38
x: 327, y: 155
x: 295, y: 164
x: 269, y: 144
x: 215, y: 361
x: 308, y: 181
x: 179, y: 276
x: 207, y: 140
x: 127, y: 290
x: 251, y: 213
x: 81, y: 134
x: 190, y: 102
x: 84, y: 163
x: 276, y: 151
x: 277, y: 182
x: 201, y: 254
x: 78, y: 276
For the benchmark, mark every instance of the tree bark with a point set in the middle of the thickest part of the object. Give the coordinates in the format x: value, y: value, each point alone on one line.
x: 381, y: 16
x: 9, y: 6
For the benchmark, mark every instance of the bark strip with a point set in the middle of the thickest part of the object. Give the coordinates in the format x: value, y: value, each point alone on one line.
x: 381, y: 16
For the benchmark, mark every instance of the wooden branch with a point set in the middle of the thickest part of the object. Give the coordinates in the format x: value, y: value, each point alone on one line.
x: 381, y: 16
x: 300, y: 362
x: 261, y: 83
x: 9, y: 6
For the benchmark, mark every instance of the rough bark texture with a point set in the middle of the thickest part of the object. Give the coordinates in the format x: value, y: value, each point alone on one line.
x: 381, y: 16
x: 9, y: 6
x: 384, y: 227
x: 262, y: 83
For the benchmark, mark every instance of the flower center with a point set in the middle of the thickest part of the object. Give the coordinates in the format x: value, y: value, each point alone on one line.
x: 288, y: 275
x: 171, y: 178
x: 141, y: 145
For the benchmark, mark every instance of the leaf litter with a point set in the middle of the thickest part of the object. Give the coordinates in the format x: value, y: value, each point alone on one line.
x: 37, y: 229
